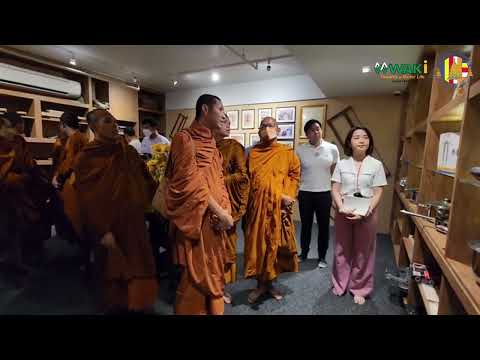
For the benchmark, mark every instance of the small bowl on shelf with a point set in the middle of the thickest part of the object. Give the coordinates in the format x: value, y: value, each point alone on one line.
x: 475, y: 246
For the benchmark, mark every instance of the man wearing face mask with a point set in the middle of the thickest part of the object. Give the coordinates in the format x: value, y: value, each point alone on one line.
x: 198, y: 207
x: 270, y: 245
x: 114, y: 189
x: 151, y: 136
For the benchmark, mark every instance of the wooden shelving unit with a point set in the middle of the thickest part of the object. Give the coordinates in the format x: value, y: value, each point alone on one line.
x: 151, y: 105
x: 42, y: 128
x: 448, y: 257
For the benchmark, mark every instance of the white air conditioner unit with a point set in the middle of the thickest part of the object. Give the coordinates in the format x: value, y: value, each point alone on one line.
x: 36, y: 81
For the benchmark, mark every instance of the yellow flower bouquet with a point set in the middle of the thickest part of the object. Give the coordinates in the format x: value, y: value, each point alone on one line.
x: 157, y: 164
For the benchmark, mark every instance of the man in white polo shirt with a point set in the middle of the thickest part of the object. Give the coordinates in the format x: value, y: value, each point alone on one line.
x: 151, y: 136
x: 318, y: 158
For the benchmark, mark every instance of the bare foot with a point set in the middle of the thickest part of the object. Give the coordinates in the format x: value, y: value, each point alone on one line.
x: 255, y: 295
x: 227, y: 298
x: 360, y: 300
x: 277, y: 295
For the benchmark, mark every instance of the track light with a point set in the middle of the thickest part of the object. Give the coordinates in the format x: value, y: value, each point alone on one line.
x: 175, y: 82
x: 72, y: 61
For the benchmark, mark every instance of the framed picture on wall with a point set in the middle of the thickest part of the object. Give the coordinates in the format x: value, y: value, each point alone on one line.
x: 248, y: 119
x: 285, y: 114
x: 317, y: 112
x: 239, y: 137
x: 263, y: 113
x: 287, y: 131
x: 254, y: 139
x: 287, y: 142
x: 233, y: 116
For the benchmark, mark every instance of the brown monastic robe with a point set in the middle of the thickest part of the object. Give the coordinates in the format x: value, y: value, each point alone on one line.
x: 194, y: 172
x: 114, y: 189
x: 238, y: 186
x: 58, y: 154
x: 68, y: 200
x: 270, y: 246
x: 24, y: 190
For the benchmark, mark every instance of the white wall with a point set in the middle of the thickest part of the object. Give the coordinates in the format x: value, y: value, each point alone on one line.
x: 293, y: 88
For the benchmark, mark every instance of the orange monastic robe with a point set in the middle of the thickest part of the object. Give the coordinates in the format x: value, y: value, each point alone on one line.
x: 114, y: 189
x: 238, y: 186
x: 58, y: 153
x: 270, y: 246
x: 24, y: 190
x: 75, y: 143
x: 194, y: 172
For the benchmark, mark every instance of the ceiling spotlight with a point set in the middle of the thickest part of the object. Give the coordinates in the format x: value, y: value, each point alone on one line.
x: 73, y: 61
x: 175, y: 82
x: 366, y: 69
x: 215, y: 76
x: 269, y: 67
x: 134, y: 84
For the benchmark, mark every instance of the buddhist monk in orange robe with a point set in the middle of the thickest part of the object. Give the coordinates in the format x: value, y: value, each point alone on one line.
x: 24, y: 191
x: 58, y: 152
x: 68, y: 217
x: 114, y: 189
x: 198, y: 208
x: 237, y: 183
x: 270, y: 246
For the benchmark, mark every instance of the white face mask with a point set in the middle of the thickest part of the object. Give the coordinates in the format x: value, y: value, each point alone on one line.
x: 147, y: 132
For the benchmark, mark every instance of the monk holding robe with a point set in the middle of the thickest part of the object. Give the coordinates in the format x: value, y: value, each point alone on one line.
x: 237, y: 183
x: 270, y: 246
x: 198, y: 208
x: 114, y: 189
x: 67, y: 220
x: 24, y: 191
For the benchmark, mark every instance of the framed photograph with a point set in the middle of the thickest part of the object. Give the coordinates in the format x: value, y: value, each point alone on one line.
x: 254, y: 139
x: 239, y: 137
x: 317, y: 112
x: 263, y: 113
x: 287, y: 142
x: 286, y: 114
x: 287, y: 131
x: 248, y: 119
x: 233, y: 116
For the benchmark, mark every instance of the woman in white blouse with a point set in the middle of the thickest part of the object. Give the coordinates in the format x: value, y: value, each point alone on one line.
x: 361, y: 176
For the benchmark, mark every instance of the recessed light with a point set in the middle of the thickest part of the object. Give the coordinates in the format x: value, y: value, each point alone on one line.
x: 215, y: 76
x: 366, y: 69
x: 72, y: 61
x: 175, y: 82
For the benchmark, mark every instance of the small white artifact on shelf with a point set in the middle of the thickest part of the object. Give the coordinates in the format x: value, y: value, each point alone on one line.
x: 448, y: 151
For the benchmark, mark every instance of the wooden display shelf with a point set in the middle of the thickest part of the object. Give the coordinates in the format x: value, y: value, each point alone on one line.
x: 462, y: 280
x: 442, y: 126
x: 453, y: 110
x: 151, y: 111
x: 408, y: 243
x: 46, y: 162
x: 472, y: 182
x: 430, y: 298
x: 419, y: 128
x: 474, y: 89
x: 54, y: 119
x: 43, y: 98
x: 442, y: 172
x: 39, y: 140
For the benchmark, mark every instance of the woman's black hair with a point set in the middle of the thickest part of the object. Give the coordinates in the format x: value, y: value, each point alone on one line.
x: 347, y: 147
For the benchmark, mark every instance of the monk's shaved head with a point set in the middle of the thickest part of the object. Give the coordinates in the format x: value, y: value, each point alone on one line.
x: 103, y: 124
x: 268, y: 119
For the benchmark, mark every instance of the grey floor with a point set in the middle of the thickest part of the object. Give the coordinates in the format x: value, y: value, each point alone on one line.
x: 60, y: 288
